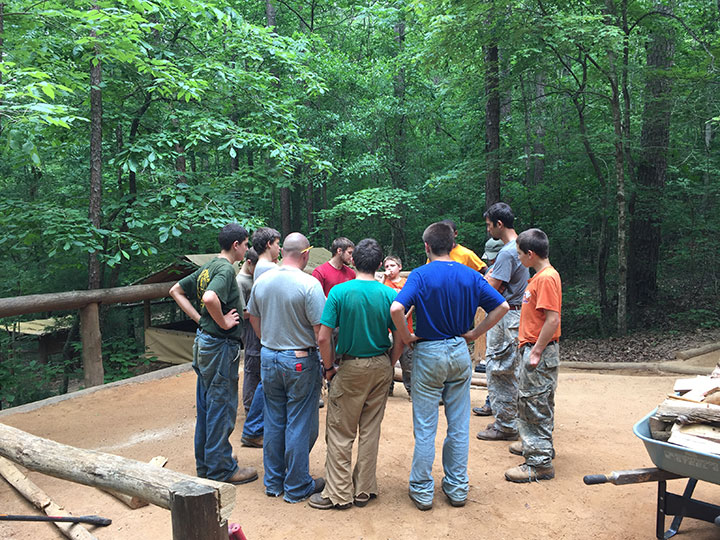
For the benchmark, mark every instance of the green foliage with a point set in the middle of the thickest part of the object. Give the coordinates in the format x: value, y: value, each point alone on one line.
x: 122, y: 357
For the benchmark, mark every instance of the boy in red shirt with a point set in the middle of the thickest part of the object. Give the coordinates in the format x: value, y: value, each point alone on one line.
x: 538, y: 337
x: 392, y: 279
x: 337, y: 270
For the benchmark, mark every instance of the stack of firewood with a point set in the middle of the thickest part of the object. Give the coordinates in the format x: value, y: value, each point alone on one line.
x: 692, y: 417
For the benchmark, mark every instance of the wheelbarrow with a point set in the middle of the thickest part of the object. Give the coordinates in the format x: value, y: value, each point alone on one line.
x: 671, y: 462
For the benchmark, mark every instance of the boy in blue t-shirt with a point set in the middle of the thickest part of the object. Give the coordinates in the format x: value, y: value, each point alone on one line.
x: 446, y: 295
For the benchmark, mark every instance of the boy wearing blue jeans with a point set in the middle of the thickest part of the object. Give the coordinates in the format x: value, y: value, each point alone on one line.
x: 446, y: 295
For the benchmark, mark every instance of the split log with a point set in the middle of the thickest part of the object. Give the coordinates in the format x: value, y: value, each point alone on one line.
x: 105, y: 471
x: 691, y: 353
x: 136, y: 502
x: 691, y: 438
x: 690, y: 412
x: 477, y: 380
x: 42, y: 500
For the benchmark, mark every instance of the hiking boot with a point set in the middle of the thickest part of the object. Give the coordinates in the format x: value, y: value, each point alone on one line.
x: 319, y: 502
x: 420, y: 506
x: 485, y: 410
x: 242, y: 476
x: 492, y: 433
x: 319, y: 484
x: 527, y: 473
x: 516, y: 448
x: 252, y: 442
x: 362, y: 499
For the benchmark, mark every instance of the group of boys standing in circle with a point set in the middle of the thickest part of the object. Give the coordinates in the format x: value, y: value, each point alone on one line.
x: 337, y: 325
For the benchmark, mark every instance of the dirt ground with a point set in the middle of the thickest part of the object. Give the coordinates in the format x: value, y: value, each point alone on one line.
x: 595, y: 413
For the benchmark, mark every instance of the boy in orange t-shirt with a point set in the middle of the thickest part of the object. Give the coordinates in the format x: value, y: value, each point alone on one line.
x: 392, y: 279
x: 538, y: 337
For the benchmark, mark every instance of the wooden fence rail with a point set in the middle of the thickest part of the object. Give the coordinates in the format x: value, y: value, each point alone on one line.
x: 88, y: 302
x: 200, y: 508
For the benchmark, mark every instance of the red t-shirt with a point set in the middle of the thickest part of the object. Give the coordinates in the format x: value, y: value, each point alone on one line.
x: 543, y: 291
x: 329, y: 276
x: 398, y: 286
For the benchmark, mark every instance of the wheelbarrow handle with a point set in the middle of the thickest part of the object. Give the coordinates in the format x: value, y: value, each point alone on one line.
x: 593, y: 479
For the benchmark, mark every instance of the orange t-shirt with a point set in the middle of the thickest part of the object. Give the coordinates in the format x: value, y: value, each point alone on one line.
x: 397, y: 286
x: 544, y: 291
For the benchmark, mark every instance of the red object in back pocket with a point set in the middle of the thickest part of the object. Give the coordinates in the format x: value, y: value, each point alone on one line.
x: 298, y: 367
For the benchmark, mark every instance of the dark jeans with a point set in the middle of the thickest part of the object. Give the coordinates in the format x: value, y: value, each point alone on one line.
x: 251, y: 378
x: 216, y: 362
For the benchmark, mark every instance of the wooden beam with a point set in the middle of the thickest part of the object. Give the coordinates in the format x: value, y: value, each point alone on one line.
x: 195, y: 513
x: 35, y: 303
x: 105, y: 471
x: 91, y: 345
x: 136, y: 502
x: 41, y: 500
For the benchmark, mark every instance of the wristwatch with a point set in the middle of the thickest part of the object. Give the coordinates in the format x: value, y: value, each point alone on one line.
x: 325, y: 370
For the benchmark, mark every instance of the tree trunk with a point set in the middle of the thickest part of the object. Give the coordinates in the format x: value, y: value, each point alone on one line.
x: 285, y: 210
x: 538, y: 159
x: 398, y: 172
x: 492, y: 126
x: 95, y: 199
x: 645, y: 223
x: 620, y: 196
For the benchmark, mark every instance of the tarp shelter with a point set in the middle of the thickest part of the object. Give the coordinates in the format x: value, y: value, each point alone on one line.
x: 172, y: 343
x: 51, y: 333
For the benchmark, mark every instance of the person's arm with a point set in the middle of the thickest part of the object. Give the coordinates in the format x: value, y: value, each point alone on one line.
x: 410, y: 312
x: 177, y: 294
x: 212, y: 303
x: 552, y: 321
x: 487, y: 323
x: 397, y: 348
x: 397, y: 313
x: 324, y: 340
x: 496, y: 284
x: 255, y: 323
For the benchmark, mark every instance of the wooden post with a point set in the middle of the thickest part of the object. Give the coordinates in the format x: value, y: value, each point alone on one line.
x: 194, y: 513
x: 146, y: 314
x: 91, y: 345
x: 480, y: 343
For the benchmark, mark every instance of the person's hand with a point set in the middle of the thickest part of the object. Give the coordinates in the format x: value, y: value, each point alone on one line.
x: 230, y: 320
x: 330, y: 373
x: 535, y: 357
x: 411, y: 343
x: 469, y: 336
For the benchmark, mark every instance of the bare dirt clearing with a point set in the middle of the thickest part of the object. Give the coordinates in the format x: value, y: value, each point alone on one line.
x: 593, y: 434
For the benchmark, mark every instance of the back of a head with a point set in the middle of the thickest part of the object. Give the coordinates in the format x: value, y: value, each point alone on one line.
x: 534, y: 240
x: 501, y: 211
x: 231, y: 233
x: 251, y: 256
x: 367, y: 256
x: 342, y: 244
x: 294, y: 244
x: 262, y: 237
x: 440, y: 237
x: 451, y: 223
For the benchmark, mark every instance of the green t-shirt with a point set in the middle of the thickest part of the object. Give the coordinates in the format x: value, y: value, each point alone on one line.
x: 217, y: 275
x: 361, y: 310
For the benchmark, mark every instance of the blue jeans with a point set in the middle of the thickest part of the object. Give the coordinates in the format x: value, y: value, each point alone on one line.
x: 254, y: 421
x: 216, y: 362
x: 441, y: 370
x: 292, y: 390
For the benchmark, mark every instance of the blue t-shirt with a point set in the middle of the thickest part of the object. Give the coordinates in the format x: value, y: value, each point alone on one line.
x: 446, y: 295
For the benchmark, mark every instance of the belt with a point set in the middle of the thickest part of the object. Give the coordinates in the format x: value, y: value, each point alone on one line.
x: 219, y: 337
x: 514, y: 307
x: 533, y: 344
x: 346, y: 357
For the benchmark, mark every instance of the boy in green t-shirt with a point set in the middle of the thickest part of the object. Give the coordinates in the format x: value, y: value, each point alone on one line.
x: 360, y: 308
x: 216, y: 354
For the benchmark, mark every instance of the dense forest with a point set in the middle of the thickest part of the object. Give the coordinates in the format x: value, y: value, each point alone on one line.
x: 132, y: 129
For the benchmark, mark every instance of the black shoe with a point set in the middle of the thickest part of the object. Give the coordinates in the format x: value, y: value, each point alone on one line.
x: 480, y: 368
x: 485, y: 410
x: 362, y: 499
x: 319, y: 484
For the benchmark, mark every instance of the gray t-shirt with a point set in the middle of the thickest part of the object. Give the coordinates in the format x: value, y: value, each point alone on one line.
x: 250, y: 339
x: 289, y: 303
x: 261, y: 267
x: 509, y: 269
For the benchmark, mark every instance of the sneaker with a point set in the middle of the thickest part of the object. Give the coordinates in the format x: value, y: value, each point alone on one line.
x: 323, y: 503
x: 457, y: 503
x: 516, y: 448
x: 420, y: 506
x: 321, y: 403
x: 480, y: 368
x: 252, y: 442
x: 392, y: 389
x: 492, y: 433
x: 362, y: 499
x: 527, y: 473
x: 485, y: 410
x: 242, y: 476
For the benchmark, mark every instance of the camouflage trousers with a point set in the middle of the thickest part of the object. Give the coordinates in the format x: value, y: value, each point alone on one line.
x: 501, y: 364
x: 536, y: 404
